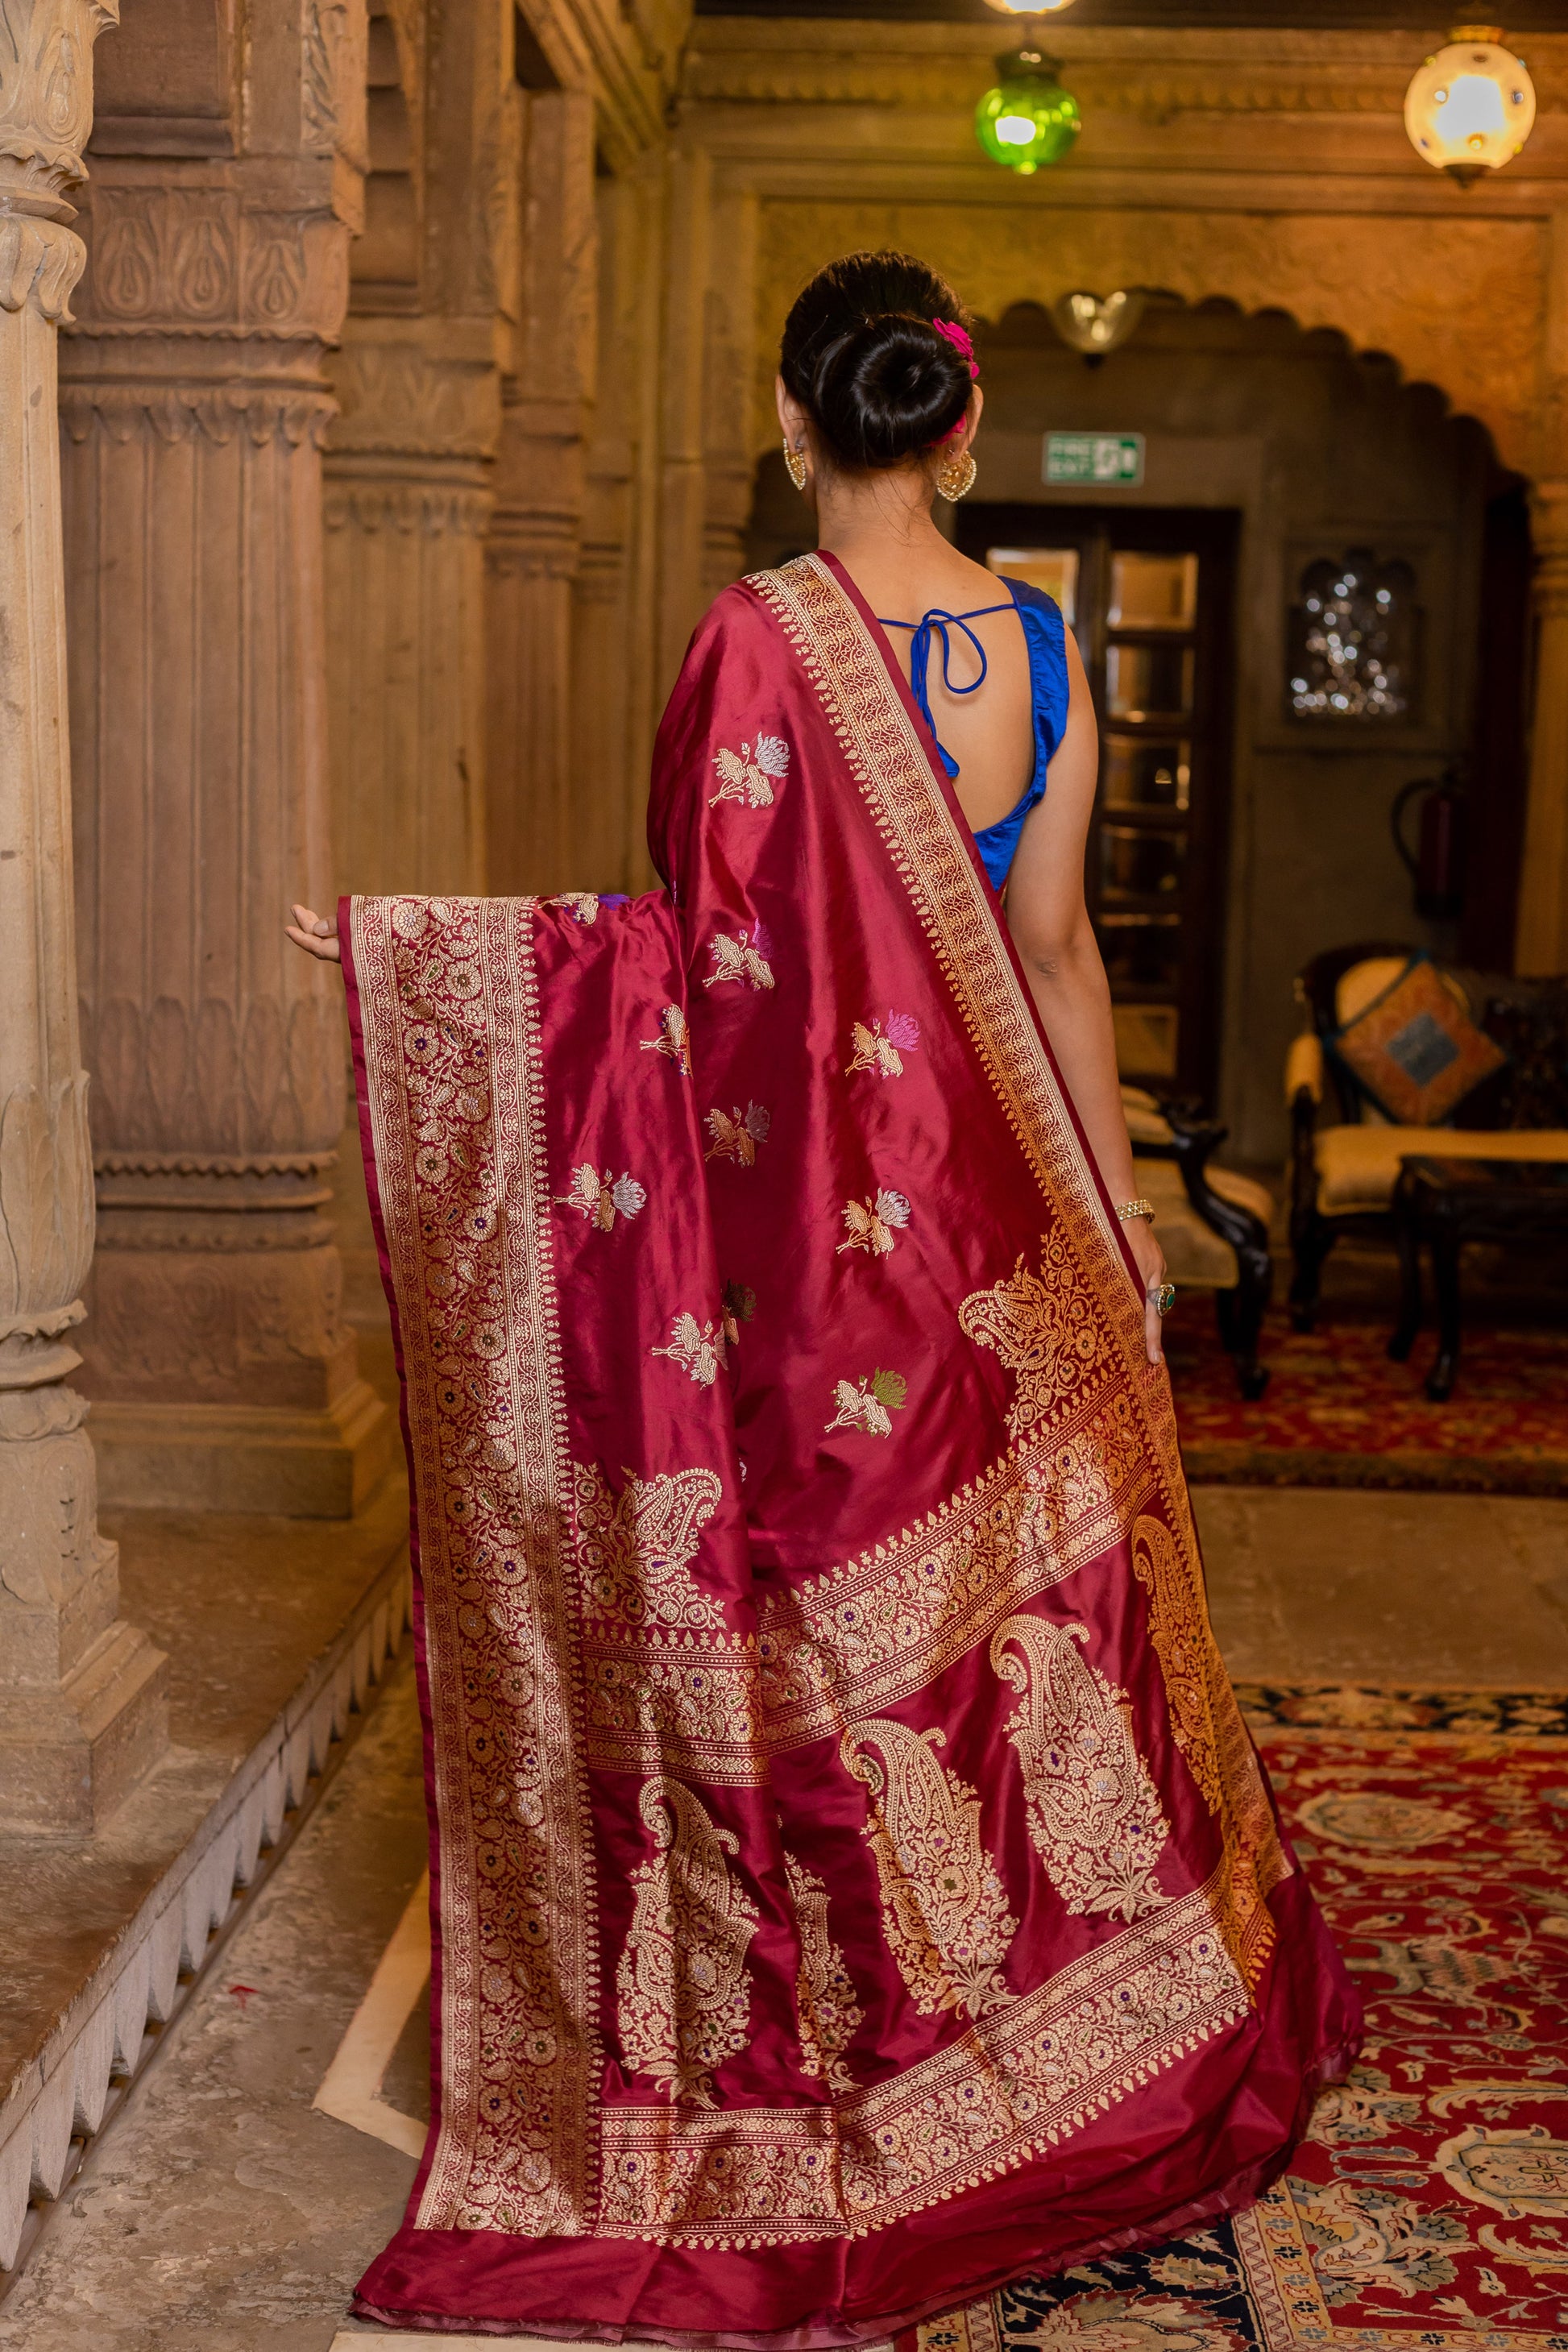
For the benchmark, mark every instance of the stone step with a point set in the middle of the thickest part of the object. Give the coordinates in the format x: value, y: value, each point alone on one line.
x: 278, y: 1632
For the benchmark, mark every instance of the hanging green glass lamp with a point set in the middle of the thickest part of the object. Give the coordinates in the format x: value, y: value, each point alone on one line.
x: 1029, y: 119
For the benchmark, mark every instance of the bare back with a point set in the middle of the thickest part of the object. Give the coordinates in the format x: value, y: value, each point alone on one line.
x: 990, y: 732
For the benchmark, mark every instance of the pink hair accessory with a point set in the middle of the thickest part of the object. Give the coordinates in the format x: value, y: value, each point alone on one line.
x: 959, y: 338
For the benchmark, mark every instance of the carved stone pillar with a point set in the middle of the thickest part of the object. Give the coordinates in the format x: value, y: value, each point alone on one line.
x: 614, y: 593
x: 82, y: 1707
x: 1542, y: 937
x: 193, y: 405
x: 531, y: 560
x: 534, y: 790
x: 406, y: 508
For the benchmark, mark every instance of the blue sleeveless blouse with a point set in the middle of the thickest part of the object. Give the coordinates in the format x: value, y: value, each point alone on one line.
x: 1045, y: 637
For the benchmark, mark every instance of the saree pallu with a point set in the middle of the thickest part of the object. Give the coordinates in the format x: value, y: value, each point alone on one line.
x: 853, y: 1883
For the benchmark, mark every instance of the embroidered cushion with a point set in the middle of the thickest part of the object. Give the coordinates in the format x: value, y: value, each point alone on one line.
x: 1415, y: 1051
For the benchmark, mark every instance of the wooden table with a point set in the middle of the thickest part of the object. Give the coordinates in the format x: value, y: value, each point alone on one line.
x: 1447, y: 1202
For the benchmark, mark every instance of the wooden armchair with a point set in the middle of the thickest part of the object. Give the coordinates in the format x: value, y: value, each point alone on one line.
x: 1212, y: 1224
x: 1343, y: 1172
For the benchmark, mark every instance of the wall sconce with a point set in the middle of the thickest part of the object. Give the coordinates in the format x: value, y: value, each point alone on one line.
x: 1029, y: 119
x: 1094, y: 327
x: 1470, y: 108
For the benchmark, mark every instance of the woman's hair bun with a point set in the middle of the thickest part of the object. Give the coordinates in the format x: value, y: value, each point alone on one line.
x: 863, y: 359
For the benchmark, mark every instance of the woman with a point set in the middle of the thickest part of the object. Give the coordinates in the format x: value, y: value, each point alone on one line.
x: 854, y: 1886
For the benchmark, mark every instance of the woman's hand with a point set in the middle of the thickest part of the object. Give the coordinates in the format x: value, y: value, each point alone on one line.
x: 314, y: 934
x: 1151, y: 1263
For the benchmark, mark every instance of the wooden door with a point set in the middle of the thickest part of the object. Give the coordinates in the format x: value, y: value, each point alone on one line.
x: 1148, y: 593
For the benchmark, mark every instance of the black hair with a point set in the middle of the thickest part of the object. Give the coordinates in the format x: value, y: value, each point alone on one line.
x: 860, y: 354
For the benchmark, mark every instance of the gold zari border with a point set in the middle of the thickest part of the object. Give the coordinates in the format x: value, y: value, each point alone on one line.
x: 497, y: 1575
x: 1016, y: 2082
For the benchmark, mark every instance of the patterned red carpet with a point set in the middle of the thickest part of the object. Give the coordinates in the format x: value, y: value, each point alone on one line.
x: 1428, y: 2209
x: 1337, y: 1413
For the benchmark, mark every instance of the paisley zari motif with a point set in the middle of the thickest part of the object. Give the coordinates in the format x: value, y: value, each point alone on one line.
x: 1093, y: 1812
x: 635, y: 1548
x: 839, y: 1815
x: 944, y: 1909
x: 684, y: 1994
x: 829, y: 2014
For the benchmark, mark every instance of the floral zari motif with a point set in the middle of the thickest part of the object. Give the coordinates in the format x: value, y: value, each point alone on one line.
x: 825, y: 1997
x: 744, y: 957
x: 673, y: 1041
x: 737, y: 1133
x: 870, y: 1405
x: 882, y: 1049
x: 1093, y: 1814
x: 603, y: 1197
x: 684, y: 1991
x: 697, y: 1348
x: 873, y: 1224
x: 749, y: 775
x: 635, y: 1548
x: 944, y: 1909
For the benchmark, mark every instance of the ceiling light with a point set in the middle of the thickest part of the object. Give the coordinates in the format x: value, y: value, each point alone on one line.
x: 1029, y: 119
x: 1471, y: 107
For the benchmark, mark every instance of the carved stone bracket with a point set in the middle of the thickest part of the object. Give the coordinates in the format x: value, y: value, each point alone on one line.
x: 40, y: 261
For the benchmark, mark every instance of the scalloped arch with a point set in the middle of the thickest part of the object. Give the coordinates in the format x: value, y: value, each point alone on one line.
x: 1457, y: 304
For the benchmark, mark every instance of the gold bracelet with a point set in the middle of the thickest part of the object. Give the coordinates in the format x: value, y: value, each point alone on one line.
x: 1130, y: 1209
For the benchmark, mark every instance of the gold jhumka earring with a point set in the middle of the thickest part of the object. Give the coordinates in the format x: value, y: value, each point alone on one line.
x: 795, y: 460
x: 955, y: 477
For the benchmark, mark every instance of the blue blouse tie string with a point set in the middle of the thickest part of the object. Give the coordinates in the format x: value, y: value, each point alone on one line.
x: 936, y: 623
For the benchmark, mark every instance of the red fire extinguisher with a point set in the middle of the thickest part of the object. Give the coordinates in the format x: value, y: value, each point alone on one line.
x: 1436, y: 865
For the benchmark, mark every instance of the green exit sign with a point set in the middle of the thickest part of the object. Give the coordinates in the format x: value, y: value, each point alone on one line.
x: 1110, y: 460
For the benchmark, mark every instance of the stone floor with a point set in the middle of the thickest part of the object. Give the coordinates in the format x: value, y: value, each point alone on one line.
x: 223, y: 2212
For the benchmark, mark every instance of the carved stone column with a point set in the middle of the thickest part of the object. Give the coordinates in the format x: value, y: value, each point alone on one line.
x: 193, y: 406
x: 534, y: 789
x: 406, y: 508
x: 82, y: 1707
x: 1542, y: 937
x: 615, y: 592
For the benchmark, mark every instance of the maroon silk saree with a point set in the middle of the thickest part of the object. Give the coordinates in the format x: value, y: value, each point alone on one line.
x: 853, y: 1882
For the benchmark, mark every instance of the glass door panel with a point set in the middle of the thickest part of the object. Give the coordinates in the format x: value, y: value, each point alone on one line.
x: 1054, y: 569
x: 1138, y: 864
x: 1152, y: 592
x: 1141, y: 773
x: 1144, y: 682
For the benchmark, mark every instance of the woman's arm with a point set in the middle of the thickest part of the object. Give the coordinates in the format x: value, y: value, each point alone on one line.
x: 1056, y: 944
